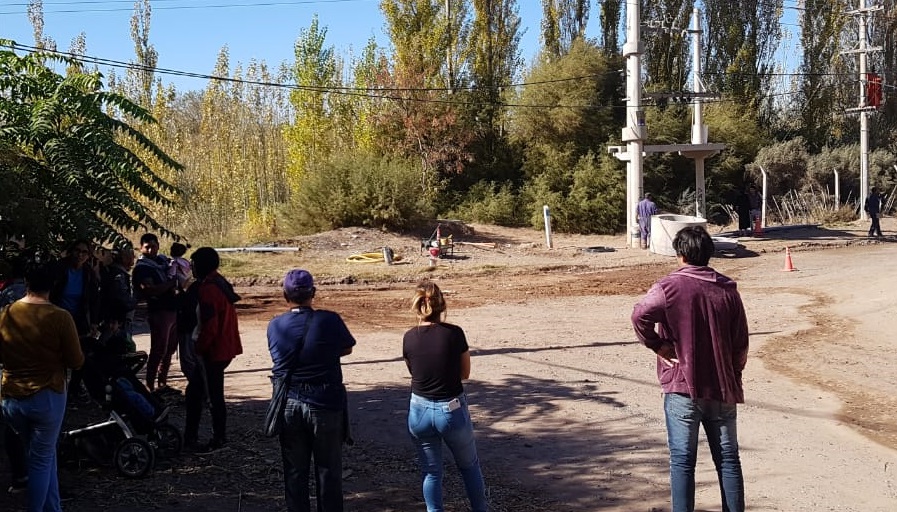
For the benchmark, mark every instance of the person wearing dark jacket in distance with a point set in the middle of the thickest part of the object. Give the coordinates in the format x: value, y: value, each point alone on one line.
x: 38, y: 343
x: 438, y: 359
x: 701, y: 344
x: 306, y: 345
x: 217, y: 343
x: 151, y: 283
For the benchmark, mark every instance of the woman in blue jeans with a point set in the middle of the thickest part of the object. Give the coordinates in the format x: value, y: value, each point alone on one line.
x: 38, y: 342
x: 438, y: 359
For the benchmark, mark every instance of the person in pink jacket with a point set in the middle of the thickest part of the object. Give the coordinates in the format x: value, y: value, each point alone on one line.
x: 701, y: 342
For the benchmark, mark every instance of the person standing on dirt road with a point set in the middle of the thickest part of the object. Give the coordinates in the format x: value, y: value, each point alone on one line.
x: 306, y: 345
x: 438, y: 359
x: 701, y: 344
x: 151, y: 283
x: 873, y: 208
x: 216, y: 343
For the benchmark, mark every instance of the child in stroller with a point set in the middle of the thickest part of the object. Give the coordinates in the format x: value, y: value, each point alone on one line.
x: 138, y: 425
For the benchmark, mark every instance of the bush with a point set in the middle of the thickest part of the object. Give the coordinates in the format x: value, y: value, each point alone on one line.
x: 361, y: 190
x: 490, y: 203
x: 589, y: 198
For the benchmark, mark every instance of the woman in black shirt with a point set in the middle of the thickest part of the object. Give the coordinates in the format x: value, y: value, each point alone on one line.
x: 438, y: 359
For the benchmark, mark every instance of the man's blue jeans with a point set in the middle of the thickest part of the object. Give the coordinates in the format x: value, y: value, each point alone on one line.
x: 684, y: 416
x: 430, y: 422
x: 37, y: 419
x: 310, y: 430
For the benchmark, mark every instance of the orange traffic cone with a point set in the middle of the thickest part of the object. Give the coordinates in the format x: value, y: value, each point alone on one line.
x: 789, y: 266
x: 758, y: 227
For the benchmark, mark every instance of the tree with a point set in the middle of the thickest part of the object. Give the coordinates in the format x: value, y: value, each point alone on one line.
x: 140, y: 77
x: 822, y: 23
x: 62, y: 169
x: 571, y: 101
x: 310, y: 137
x: 563, y: 21
x: 739, y: 50
x: 610, y: 26
x: 427, y: 120
x: 666, y: 48
x: 36, y: 17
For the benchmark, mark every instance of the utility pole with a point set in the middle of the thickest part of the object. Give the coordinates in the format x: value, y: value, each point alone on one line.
x: 634, y: 133
x: 862, y: 13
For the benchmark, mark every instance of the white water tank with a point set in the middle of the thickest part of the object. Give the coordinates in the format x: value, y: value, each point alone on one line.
x: 664, y: 228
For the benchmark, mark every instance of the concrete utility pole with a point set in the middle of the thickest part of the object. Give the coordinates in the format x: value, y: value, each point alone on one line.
x: 698, y: 128
x: 863, y: 109
x: 634, y: 133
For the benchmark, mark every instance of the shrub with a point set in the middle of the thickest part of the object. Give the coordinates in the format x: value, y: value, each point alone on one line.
x: 588, y: 198
x: 490, y: 203
x: 361, y: 190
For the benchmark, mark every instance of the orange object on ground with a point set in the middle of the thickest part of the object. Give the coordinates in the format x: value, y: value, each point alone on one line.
x: 789, y: 265
x: 758, y: 227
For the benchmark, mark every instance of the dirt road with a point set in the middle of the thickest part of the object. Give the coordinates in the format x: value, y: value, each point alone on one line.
x: 566, y: 404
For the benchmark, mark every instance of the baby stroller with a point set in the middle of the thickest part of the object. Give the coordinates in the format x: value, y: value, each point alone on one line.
x: 137, y: 430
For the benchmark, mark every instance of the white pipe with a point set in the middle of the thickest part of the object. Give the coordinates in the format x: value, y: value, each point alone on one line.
x: 258, y: 249
x: 838, y: 189
x: 547, y: 215
x: 763, y: 200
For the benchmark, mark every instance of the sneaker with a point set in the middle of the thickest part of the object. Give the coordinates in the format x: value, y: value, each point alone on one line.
x: 213, y: 446
x: 18, y: 485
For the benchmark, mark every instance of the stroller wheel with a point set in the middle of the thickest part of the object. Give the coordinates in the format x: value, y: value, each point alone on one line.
x: 134, y: 458
x: 167, y: 440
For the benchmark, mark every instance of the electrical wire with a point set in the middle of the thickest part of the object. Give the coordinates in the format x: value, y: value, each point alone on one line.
x: 376, y: 92
x: 190, y: 6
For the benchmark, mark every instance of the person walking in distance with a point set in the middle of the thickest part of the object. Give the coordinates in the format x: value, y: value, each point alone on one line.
x: 645, y: 209
x: 217, y: 344
x: 701, y: 342
x: 755, y: 202
x: 306, y: 345
x: 873, y: 208
x: 151, y: 283
x: 438, y: 358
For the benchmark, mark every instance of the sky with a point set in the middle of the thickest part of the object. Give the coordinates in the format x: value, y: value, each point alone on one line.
x: 188, y: 34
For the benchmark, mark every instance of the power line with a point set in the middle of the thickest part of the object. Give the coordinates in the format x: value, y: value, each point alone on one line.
x: 191, y: 6
x: 374, y: 92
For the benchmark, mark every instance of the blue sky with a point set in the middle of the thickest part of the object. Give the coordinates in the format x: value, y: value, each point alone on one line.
x: 188, y: 34
x: 189, y: 39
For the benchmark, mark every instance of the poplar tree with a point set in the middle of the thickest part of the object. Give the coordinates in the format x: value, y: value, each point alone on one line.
x: 822, y: 22
x: 563, y: 21
x: 314, y: 73
x: 739, y: 49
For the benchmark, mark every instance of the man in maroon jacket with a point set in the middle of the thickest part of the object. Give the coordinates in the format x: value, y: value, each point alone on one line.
x: 217, y: 343
x: 701, y: 344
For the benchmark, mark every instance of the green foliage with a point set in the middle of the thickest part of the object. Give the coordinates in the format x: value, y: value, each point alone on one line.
x: 846, y: 160
x: 491, y: 203
x: 570, y: 101
x: 63, y: 170
x: 585, y: 197
x: 785, y: 164
x: 361, y: 190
